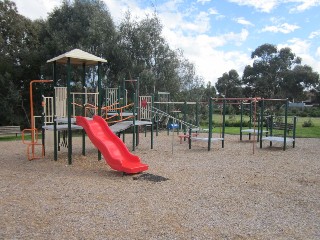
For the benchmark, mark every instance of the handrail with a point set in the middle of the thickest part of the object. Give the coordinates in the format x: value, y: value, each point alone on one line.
x: 121, y: 120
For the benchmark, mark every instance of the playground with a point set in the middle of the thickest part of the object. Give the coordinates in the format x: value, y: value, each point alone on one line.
x: 101, y: 172
x: 225, y: 193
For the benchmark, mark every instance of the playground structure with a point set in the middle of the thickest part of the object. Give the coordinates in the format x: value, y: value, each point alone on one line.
x: 67, y: 111
x: 113, y: 149
x: 260, y: 124
x: 210, y: 138
x: 59, y: 115
x: 31, y: 145
x: 285, y: 127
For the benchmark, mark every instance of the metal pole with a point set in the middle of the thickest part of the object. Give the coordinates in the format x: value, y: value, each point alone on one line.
x: 99, y: 98
x: 134, y: 123
x: 294, y: 131
x: 250, y: 120
x: 210, y: 123
x: 138, y: 111
x: 285, y: 125
x: 254, y: 125
x: 55, y: 137
x: 124, y: 92
x: 69, y: 111
x: 84, y: 85
x: 223, y: 122
x: 261, y: 123
x: 241, y: 119
x: 197, y: 114
x: 185, y: 118
x: 152, y: 116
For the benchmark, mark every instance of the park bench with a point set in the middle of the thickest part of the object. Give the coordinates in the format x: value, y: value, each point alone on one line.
x: 281, y: 126
x: 9, y: 130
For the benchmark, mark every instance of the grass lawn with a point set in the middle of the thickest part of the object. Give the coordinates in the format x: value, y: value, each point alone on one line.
x: 306, y: 132
x: 302, y: 132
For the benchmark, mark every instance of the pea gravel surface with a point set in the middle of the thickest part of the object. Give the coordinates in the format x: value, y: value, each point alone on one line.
x: 225, y: 193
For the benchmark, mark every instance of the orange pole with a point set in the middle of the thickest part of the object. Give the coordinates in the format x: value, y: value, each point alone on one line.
x: 31, y: 111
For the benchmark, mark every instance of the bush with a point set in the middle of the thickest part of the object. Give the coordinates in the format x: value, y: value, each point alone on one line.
x: 302, y: 114
x: 308, y: 123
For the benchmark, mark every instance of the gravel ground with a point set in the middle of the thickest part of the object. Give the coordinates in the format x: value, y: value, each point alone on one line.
x: 227, y: 193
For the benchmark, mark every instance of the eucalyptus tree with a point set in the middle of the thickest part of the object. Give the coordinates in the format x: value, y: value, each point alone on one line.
x: 229, y: 85
x: 277, y: 74
x: 146, y: 54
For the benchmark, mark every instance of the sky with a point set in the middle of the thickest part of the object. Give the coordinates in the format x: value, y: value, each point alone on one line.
x: 219, y: 35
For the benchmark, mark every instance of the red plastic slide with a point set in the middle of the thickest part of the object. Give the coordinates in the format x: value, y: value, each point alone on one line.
x: 114, y: 151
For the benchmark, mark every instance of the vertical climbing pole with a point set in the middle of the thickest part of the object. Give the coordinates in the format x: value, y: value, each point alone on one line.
x: 185, y: 117
x: 285, y: 125
x: 241, y: 119
x: 152, y: 117
x: 138, y: 111
x: 250, y: 118
x: 260, y: 129
x: 84, y: 85
x: 55, y: 137
x: 197, y: 114
x: 124, y: 92
x: 99, y: 97
x: 294, y: 131
x: 254, y: 123
x: 210, y: 123
x: 223, y: 122
x: 271, y: 129
x: 69, y: 111
x: 134, y: 122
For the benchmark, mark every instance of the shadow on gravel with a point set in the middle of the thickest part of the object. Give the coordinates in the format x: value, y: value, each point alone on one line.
x: 150, y: 177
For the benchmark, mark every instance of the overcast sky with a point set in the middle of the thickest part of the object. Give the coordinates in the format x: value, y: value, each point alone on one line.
x: 219, y: 35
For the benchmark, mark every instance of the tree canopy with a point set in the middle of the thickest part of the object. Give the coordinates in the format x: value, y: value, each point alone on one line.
x: 134, y: 49
x: 277, y: 74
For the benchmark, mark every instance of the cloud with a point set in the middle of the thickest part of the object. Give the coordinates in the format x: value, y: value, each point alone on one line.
x: 118, y: 9
x: 203, y: 51
x: 282, y: 28
x: 314, y: 34
x: 212, y: 11
x: 203, y: 1
x: 261, y: 5
x: 268, y: 5
x: 318, y: 52
x: 303, y: 5
x: 243, y: 21
x: 189, y: 21
x: 302, y: 48
x: 40, y: 11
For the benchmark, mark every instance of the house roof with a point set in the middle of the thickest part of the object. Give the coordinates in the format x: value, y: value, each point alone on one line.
x: 77, y: 57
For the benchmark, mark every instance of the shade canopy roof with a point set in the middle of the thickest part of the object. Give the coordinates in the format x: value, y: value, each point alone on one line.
x: 77, y: 57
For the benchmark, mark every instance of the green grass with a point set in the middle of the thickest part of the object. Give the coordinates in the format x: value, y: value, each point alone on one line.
x: 10, y: 138
x: 302, y: 132
x: 27, y: 137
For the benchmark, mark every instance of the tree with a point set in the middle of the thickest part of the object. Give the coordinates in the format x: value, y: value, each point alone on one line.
x: 297, y: 81
x: 145, y: 54
x: 83, y: 24
x: 277, y: 74
x: 229, y: 85
x: 18, y: 61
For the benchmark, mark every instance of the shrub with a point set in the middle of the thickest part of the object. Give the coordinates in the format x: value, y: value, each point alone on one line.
x: 302, y: 114
x: 308, y: 123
